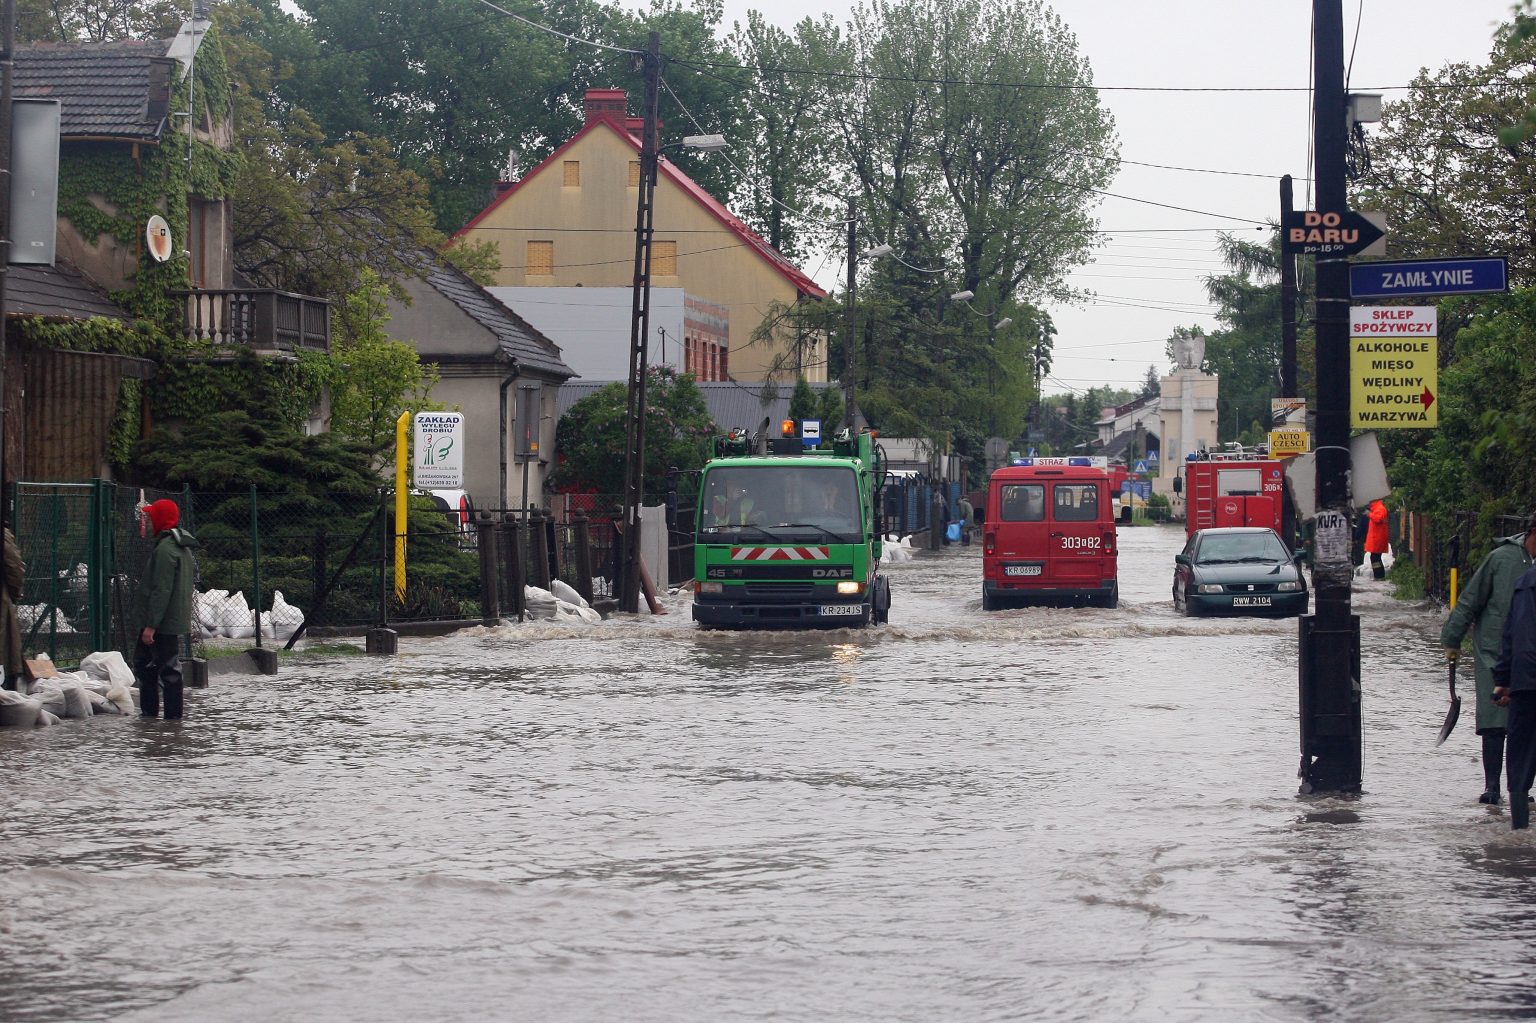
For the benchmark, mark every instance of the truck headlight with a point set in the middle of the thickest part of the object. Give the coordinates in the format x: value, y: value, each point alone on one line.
x: 849, y: 586
x: 1290, y: 587
x: 1212, y: 588
x: 705, y: 587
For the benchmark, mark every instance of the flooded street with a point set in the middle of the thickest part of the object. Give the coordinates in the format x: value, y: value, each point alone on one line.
x: 1056, y: 814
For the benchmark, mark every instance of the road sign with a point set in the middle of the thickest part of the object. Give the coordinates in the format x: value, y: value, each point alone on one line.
x: 1393, y: 367
x: 810, y: 432
x: 437, y: 457
x: 1328, y: 233
x: 1287, y: 413
x: 1289, y: 443
x: 1414, y: 277
x: 1152, y: 457
x: 1141, y: 466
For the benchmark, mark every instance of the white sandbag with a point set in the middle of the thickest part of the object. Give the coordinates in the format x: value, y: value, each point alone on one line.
x: 49, y: 694
x: 566, y: 592
x: 75, y: 703
x: 286, y: 618
x: 99, y: 703
x: 565, y: 611
x: 206, y: 608
x: 121, y: 697
x: 108, y: 665
x: 17, y: 711
x: 539, y: 603
x: 235, y: 620
x: 46, y: 718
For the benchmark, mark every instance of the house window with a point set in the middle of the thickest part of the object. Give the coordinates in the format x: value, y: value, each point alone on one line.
x: 634, y: 174
x: 572, y: 174
x: 541, y: 259
x: 664, y: 259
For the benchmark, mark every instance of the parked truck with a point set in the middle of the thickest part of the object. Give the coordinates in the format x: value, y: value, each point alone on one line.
x: 788, y: 532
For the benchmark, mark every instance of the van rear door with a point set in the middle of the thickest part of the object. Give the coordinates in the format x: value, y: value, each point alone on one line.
x: 1081, y: 534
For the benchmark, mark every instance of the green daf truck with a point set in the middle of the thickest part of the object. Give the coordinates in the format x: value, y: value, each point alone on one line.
x: 788, y: 533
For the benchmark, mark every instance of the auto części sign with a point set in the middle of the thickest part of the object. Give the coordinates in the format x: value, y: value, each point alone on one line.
x: 437, y: 454
x: 1393, y: 367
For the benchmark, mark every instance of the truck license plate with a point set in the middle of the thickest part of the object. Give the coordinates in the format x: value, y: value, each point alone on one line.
x: 1022, y: 569
x: 1251, y: 602
x: 834, y: 610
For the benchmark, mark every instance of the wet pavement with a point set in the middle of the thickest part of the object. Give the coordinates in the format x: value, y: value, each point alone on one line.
x: 1056, y: 814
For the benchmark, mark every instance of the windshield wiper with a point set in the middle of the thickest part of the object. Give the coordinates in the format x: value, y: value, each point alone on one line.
x: 831, y: 535
x: 1217, y: 561
x: 768, y: 533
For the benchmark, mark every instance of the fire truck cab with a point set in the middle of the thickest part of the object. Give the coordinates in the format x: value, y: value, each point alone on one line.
x: 1050, y: 535
x: 1233, y: 493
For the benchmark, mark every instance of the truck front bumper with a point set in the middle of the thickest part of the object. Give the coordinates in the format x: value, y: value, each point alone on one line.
x: 735, y: 614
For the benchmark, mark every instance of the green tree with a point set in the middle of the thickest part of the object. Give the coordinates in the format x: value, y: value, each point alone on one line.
x: 802, y: 401
x: 591, y: 435
x: 97, y: 21
x: 378, y: 377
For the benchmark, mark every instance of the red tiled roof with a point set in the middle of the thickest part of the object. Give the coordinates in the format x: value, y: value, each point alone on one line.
x: 773, y: 256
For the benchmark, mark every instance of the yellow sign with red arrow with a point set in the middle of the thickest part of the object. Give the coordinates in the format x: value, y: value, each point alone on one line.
x: 1393, y: 368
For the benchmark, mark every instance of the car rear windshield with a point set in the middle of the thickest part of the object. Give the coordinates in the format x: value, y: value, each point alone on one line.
x: 1075, y: 502
x: 1022, y: 502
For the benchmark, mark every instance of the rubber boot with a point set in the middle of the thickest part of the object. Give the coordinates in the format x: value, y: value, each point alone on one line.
x: 149, y: 697
x: 1519, y: 811
x: 172, y: 701
x: 1493, y: 765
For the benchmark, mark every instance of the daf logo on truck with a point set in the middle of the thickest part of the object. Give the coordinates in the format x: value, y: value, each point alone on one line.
x: 832, y: 573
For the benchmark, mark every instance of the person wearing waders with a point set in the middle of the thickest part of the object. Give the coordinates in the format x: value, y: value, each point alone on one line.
x: 1514, y: 686
x: 1376, y: 538
x: 1482, y: 608
x: 163, y: 611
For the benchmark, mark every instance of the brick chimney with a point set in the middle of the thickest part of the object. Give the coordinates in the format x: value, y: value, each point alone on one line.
x: 612, y: 105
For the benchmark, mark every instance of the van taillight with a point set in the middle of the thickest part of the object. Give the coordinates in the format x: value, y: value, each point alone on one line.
x: 991, y: 543
x: 1109, y: 542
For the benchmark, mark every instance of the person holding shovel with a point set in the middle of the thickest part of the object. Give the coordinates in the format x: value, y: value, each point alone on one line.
x: 1483, y: 606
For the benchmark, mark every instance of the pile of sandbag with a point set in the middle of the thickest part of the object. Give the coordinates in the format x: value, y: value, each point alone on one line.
x: 560, y: 603
x: 220, y: 614
x: 104, y: 684
x: 896, y: 549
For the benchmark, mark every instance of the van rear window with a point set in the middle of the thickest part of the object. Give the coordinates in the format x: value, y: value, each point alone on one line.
x: 1023, y: 502
x: 1075, y: 502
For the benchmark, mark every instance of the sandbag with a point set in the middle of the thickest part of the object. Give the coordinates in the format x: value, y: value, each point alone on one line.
x: 565, y: 611
x: 286, y: 618
x: 17, y: 711
x: 121, y: 697
x: 76, y: 705
x: 46, y: 718
x: 108, y: 665
x: 566, y: 592
x: 235, y: 618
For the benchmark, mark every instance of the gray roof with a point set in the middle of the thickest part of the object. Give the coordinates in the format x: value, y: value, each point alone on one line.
x: 106, y: 90
x: 517, y: 337
x: 730, y: 402
x: 56, y: 292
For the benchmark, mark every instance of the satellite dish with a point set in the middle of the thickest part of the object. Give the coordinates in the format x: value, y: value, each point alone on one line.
x: 157, y: 236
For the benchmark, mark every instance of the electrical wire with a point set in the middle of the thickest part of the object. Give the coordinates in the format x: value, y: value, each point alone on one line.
x: 557, y: 32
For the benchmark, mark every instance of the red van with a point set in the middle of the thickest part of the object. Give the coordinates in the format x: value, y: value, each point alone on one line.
x: 1050, y: 535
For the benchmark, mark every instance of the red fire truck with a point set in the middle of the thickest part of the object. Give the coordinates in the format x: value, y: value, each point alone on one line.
x: 1233, y: 493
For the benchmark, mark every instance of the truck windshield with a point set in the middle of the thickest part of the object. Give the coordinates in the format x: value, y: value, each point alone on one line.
x: 797, y: 503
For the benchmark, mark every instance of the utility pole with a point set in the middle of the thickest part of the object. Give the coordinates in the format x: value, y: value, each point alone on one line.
x: 850, y: 409
x: 640, y: 324
x: 1288, y: 385
x: 1330, y: 638
x: 7, y: 65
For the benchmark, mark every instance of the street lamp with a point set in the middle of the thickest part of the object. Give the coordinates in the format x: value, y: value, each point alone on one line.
x: 640, y: 326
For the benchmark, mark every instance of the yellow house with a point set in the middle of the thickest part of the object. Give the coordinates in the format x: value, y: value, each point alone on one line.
x: 570, y: 222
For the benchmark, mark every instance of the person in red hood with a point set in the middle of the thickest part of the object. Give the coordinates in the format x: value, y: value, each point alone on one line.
x: 162, y: 611
x: 1376, y: 538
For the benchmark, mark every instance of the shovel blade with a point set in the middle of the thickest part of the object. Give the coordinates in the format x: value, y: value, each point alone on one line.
x: 1450, y: 719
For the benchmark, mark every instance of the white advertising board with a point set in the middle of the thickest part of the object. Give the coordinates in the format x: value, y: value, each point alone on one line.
x: 437, y: 451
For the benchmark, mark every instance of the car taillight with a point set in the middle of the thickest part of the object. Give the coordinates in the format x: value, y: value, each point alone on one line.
x: 990, y: 540
x: 1109, y: 543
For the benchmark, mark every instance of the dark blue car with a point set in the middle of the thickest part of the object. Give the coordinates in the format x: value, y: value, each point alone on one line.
x: 1238, y: 570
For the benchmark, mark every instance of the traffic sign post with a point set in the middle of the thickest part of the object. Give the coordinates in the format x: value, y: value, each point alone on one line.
x: 1393, y: 367
x: 1417, y: 277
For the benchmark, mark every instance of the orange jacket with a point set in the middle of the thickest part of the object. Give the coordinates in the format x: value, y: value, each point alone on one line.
x: 1376, y: 535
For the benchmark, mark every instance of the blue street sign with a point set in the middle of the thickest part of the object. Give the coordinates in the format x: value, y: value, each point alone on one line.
x: 1141, y: 466
x: 1407, y: 277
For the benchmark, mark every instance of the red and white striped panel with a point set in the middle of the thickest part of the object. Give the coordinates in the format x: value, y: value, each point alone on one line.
x: 778, y: 554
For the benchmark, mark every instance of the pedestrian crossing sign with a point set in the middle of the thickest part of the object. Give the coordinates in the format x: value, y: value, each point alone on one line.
x: 1141, y: 466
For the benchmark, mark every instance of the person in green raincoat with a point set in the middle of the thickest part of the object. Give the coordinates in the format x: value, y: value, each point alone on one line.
x: 1482, y: 608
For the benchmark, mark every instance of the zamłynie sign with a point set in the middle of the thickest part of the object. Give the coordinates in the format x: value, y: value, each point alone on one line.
x: 1393, y: 367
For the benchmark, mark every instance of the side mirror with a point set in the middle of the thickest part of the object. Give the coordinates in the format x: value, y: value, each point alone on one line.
x: 1299, y: 557
x: 1181, y: 559
x: 1178, y: 484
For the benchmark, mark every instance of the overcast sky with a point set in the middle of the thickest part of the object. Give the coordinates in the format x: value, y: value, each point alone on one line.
x: 1148, y: 271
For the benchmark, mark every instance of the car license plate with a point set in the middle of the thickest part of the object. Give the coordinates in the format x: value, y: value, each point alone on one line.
x: 834, y: 610
x: 1022, y: 569
x: 1251, y: 602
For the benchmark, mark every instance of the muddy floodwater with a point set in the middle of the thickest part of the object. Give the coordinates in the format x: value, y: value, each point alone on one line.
x: 1045, y: 814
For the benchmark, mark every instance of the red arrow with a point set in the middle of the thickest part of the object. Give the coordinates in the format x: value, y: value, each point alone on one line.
x: 1427, y: 398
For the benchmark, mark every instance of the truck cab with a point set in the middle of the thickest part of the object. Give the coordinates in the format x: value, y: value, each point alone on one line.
x: 788, y: 535
x: 1050, y: 535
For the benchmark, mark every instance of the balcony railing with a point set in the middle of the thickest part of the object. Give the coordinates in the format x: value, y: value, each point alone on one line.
x: 258, y: 319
